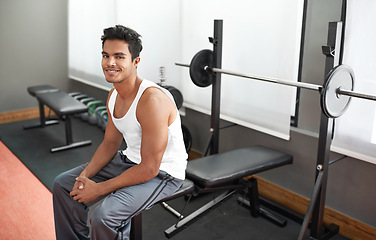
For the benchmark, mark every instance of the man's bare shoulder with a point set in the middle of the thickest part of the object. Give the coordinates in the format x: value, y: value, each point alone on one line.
x: 154, y: 102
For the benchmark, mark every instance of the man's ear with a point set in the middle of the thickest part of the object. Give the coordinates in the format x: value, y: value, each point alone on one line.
x: 136, y: 61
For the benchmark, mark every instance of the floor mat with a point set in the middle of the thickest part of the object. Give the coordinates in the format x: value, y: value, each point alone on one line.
x: 227, y: 222
x: 26, y: 204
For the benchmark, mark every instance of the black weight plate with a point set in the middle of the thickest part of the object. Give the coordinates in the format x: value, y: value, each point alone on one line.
x: 199, y: 75
x: 187, y: 138
x: 332, y: 103
x: 178, y: 97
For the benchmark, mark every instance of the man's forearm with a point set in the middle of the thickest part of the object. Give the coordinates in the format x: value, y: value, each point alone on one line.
x: 101, y: 157
x: 137, y: 174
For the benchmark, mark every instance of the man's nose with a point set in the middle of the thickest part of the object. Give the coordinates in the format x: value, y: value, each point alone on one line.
x: 111, y: 61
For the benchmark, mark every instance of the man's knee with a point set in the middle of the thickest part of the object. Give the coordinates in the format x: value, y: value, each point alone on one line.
x: 60, y: 181
x: 99, y: 218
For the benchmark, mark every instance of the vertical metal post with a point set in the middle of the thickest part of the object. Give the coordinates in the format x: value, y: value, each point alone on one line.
x: 325, y: 135
x: 136, y: 228
x: 254, y: 197
x: 68, y: 130
x: 42, y: 116
x: 216, y: 86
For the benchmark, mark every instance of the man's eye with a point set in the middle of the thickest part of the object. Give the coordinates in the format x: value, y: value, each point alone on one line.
x: 104, y: 56
x: 120, y: 57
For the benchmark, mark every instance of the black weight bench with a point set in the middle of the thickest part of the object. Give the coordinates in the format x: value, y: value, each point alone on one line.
x: 136, y: 223
x: 42, y: 119
x: 63, y: 105
x: 225, y: 172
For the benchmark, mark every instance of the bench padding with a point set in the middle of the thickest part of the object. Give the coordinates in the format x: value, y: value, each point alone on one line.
x: 41, y: 88
x: 224, y: 168
x: 60, y: 102
x: 186, y: 188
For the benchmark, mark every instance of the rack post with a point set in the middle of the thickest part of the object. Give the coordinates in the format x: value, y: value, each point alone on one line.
x: 317, y: 202
x: 216, y: 86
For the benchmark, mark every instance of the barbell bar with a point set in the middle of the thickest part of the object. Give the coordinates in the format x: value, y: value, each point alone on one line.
x: 265, y: 79
x: 336, y: 92
x: 356, y: 94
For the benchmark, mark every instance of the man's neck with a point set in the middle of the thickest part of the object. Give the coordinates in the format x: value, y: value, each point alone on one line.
x: 128, y: 89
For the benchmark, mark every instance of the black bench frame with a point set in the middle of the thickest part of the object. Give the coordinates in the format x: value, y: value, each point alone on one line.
x: 225, y: 173
x: 42, y: 116
x: 62, y: 108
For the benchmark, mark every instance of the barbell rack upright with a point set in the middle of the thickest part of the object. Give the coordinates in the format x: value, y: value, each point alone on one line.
x: 315, y: 211
x: 216, y: 86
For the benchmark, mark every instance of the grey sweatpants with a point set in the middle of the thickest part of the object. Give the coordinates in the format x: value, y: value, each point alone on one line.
x: 110, y: 219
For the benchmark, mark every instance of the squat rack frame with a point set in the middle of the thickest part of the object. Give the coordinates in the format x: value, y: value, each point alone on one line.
x: 315, y: 212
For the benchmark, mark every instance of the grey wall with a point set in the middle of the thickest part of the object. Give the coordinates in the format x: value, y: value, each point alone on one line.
x: 33, y: 46
x: 34, y: 51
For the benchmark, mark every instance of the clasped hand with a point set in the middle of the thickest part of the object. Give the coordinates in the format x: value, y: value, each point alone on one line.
x: 84, y: 190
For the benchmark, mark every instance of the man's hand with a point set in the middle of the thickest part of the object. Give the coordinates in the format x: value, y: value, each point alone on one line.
x: 85, y: 190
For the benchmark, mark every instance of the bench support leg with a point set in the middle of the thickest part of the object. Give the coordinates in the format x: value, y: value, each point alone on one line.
x: 69, y: 139
x: 186, y: 221
x: 136, y: 227
x: 255, y: 208
x: 42, y: 119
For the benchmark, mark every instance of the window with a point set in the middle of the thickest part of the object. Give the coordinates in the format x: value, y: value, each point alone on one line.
x: 355, y: 130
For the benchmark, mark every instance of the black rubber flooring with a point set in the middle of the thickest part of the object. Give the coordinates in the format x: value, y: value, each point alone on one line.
x: 229, y: 221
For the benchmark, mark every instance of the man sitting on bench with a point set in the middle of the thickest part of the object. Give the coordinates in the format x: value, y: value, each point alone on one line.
x: 150, y: 169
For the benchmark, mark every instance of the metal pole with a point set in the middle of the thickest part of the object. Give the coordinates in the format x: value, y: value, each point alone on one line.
x: 355, y: 94
x: 309, y: 86
x: 325, y: 137
x: 216, y: 86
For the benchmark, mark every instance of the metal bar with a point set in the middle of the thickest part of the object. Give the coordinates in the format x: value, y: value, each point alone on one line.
x: 269, y: 79
x: 216, y: 86
x: 309, y: 86
x: 337, y: 159
x: 70, y: 146
x: 325, y: 136
x: 68, y: 129
x: 254, y: 198
x: 311, y: 205
x: 265, y: 213
x: 136, y: 227
x: 182, y: 65
x: 183, y: 223
x: 355, y: 94
x: 172, y: 210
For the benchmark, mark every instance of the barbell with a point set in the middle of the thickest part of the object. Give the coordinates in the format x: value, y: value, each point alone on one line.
x: 335, y: 94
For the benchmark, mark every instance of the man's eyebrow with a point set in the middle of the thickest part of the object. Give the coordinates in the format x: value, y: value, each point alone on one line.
x: 116, y: 54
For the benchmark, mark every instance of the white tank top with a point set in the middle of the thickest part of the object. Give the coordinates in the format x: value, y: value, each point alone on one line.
x: 174, y: 160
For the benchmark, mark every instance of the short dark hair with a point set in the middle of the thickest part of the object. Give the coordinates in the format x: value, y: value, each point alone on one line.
x: 129, y: 35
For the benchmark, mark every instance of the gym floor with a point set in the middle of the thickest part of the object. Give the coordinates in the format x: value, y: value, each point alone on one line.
x: 228, y: 221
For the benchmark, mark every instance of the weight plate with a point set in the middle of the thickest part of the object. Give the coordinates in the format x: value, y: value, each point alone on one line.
x: 199, y: 75
x: 332, y: 103
x: 187, y: 138
x: 178, y: 97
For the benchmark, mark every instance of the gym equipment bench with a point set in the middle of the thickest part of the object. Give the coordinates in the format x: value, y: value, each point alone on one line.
x: 224, y: 172
x: 42, y: 119
x: 63, y: 105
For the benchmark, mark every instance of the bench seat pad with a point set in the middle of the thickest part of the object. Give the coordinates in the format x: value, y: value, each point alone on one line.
x: 61, y: 103
x: 222, y: 168
x: 186, y: 188
x: 41, y: 88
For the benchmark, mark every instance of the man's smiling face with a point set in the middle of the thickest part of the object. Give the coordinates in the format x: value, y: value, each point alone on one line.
x: 117, y: 61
